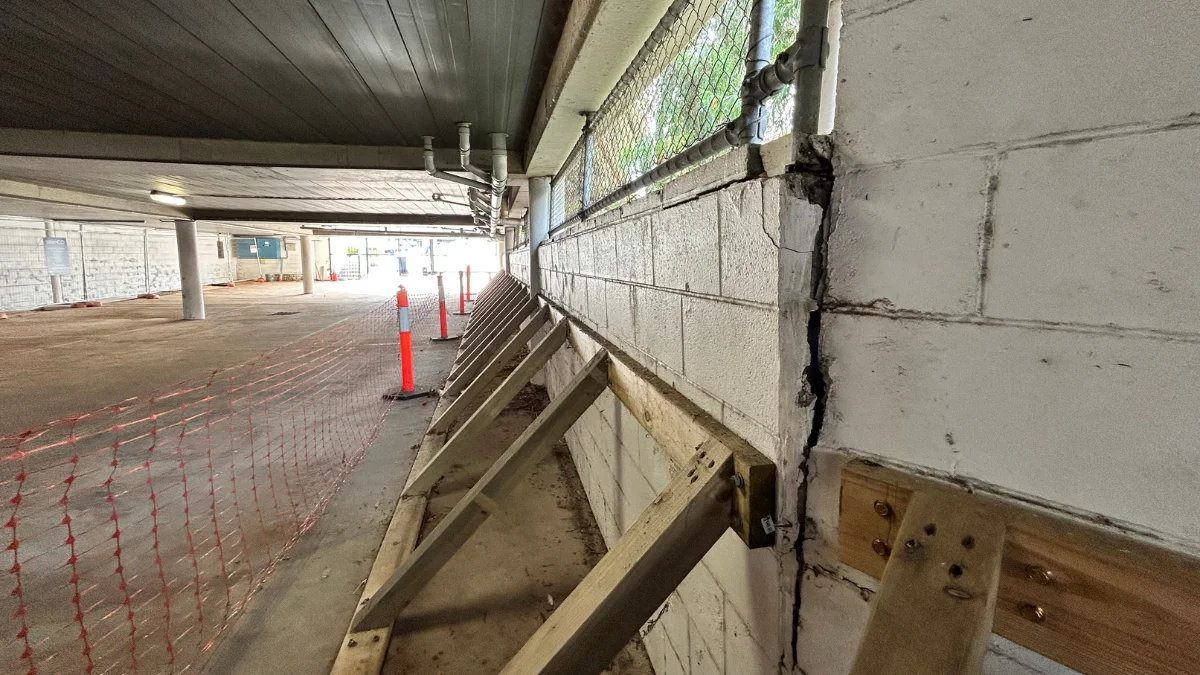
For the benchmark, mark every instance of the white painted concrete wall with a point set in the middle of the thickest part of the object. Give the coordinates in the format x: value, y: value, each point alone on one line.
x: 1013, y: 284
x: 107, y: 262
x: 684, y: 281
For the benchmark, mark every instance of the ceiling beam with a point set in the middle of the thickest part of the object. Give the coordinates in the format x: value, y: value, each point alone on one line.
x: 449, y: 234
x: 599, y: 41
x: 231, y: 216
x: 73, y: 198
x: 86, y: 145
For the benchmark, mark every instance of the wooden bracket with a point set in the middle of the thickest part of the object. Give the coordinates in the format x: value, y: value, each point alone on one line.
x: 679, y: 427
x: 499, y: 285
x: 473, y: 391
x: 633, y: 579
x: 491, y: 323
x: 481, y: 356
x: 485, y: 318
x: 1090, y: 598
x: 500, y: 479
x: 488, y: 412
x: 482, y: 314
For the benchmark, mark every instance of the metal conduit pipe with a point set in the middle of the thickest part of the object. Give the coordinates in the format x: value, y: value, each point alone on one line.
x: 484, y: 197
x: 499, y: 175
x: 806, y: 56
x: 431, y: 167
x: 758, y: 56
x: 728, y: 137
x: 464, y: 151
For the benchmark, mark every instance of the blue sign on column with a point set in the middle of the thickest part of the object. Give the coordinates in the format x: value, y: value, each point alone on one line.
x: 58, y: 258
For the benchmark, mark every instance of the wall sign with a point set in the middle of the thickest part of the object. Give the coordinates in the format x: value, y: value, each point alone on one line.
x: 58, y: 257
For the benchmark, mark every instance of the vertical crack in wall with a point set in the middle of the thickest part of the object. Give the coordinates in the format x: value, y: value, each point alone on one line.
x: 987, y: 230
x: 811, y: 179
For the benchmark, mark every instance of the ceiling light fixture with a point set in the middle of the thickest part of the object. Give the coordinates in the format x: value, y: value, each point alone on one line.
x: 167, y: 198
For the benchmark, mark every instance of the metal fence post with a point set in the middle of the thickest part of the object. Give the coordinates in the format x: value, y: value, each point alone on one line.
x: 586, y: 190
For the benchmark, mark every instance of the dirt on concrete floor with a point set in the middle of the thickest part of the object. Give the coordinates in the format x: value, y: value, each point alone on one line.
x: 513, y: 572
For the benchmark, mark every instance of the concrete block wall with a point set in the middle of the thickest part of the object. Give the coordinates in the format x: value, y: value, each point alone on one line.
x: 107, y: 262
x: 1012, y: 288
x: 684, y: 281
x: 518, y: 264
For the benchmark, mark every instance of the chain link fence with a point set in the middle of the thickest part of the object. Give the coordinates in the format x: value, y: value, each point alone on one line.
x: 683, y: 86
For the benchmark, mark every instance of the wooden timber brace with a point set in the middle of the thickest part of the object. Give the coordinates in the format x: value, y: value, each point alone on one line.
x: 957, y: 565
x: 720, y: 482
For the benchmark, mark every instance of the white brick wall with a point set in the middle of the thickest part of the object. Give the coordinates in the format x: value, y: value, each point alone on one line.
x: 689, y: 291
x: 1012, y: 287
x: 107, y: 261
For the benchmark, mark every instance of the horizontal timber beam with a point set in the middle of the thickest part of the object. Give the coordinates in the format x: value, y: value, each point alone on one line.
x: 126, y: 147
x: 1094, y: 599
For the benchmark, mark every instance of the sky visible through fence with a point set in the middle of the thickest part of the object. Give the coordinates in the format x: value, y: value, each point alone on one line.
x: 683, y: 87
x: 136, y: 533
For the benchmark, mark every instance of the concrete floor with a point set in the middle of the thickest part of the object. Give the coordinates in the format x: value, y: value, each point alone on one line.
x: 471, y: 618
x: 66, y: 361
x: 295, y: 624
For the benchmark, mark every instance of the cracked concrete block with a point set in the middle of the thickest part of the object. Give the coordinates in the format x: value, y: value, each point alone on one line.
x: 749, y: 245
x: 635, y: 249
x: 659, y: 329
x: 732, y: 351
x: 907, y: 237
x: 1100, y: 233
x: 924, y: 78
x: 686, y: 247
x: 720, y: 170
x: 621, y: 308
x: 704, y: 662
x: 1102, y: 423
x: 650, y: 202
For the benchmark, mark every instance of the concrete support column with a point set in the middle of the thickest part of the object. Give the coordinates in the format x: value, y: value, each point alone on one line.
x: 55, y: 280
x: 307, y: 263
x: 510, y: 240
x: 189, y: 270
x: 539, y: 227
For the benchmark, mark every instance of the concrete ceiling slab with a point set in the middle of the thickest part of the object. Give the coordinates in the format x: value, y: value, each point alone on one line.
x: 368, y: 72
